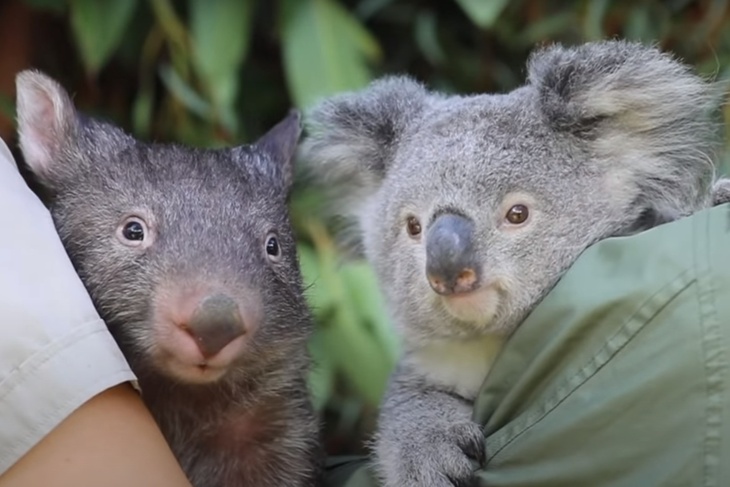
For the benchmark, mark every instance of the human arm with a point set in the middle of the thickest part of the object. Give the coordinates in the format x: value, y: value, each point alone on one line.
x: 67, y: 411
x: 109, y: 440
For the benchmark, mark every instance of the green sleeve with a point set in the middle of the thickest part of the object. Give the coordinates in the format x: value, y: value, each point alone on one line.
x: 621, y: 376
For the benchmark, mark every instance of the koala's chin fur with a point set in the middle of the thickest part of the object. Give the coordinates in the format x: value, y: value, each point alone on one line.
x: 470, y: 208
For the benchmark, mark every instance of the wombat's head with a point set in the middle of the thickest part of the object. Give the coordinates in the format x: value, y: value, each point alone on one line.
x: 187, y: 253
x: 471, y: 207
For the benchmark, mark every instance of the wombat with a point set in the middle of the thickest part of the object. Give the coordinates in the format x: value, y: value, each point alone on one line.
x: 190, y: 258
x: 471, y: 207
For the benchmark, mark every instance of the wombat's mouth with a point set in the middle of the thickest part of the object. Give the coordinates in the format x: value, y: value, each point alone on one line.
x: 180, y: 357
x: 201, y: 329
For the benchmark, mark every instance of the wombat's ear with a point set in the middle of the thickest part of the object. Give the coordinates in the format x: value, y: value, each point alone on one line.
x: 351, y: 138
x: 278, y: 146
x: 645, y: 116
x: 47, y: 121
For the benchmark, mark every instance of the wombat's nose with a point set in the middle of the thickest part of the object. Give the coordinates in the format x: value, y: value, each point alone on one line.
x: 215, y: 323
x: 451, y: 264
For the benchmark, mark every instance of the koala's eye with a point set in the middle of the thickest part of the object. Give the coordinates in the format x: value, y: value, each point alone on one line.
x: 273, y: 249
x: 517, y: 214
x: 413, y: 227
x: 133, y: 232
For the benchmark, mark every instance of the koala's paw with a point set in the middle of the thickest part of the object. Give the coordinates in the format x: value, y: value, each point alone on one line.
x: 437, y: 455
x: 721, y: 191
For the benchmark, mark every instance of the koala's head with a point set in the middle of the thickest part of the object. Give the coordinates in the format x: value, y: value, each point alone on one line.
x: 471, y: 207
x: 187, y: 253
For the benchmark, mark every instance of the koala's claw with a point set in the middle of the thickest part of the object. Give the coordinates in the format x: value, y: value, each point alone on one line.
x: 471, y: 441
x: 440, y: 456
x: 468, y: 482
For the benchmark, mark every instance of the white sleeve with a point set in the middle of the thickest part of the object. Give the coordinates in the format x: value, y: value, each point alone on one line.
x: 55, y: 351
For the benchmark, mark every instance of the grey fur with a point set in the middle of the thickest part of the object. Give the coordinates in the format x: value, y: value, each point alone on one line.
x: 604, y: 139
x: 210, y: 212
x: 721, y: 191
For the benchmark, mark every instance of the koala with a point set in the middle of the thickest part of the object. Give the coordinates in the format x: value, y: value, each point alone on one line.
x: 471, y: 207
x: 190, y: 258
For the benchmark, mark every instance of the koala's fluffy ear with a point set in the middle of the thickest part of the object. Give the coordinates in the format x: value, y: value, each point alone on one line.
x: 351, y: 137
x: 47, y: 121
x: 645, y: 115
x: 582, y: 86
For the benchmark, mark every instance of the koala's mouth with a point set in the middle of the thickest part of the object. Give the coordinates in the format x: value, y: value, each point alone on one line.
x: 476, y: 308
x: 455, y: 272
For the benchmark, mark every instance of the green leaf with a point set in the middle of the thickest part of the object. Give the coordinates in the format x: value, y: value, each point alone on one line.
x: 640, y: 25
x: 356, y: 352
x: 318, y: 300
x: 221, y: 33
x: 183, y: 92
x: 142, y: 110
x: 593, y: 23
x: 7, y: 106
x: 548, y: 28
x: 483, y: 13
x: 426, y: 35
x: 98, y: 27
x: 368, y: 8
x: 321, y: 377
x: 55, y: 6
x: 367, y: 299
x: 325, y: 49
x: 676, y: 5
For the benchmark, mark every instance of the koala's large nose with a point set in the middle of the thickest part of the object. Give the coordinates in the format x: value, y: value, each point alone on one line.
x: 451, y: 264
x: 215, y: 323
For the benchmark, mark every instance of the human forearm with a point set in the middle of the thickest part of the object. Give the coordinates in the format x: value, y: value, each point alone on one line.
x: 111, y: 440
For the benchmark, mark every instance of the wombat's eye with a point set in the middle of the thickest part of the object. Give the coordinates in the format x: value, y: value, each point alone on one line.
x: 517, y: 214
x: 413, y: 227
x: 133, y: 231
x: 273, y: 249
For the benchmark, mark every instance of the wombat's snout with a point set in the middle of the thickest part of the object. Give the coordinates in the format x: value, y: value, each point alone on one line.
x: 215, y: 323
x: 451, y: 264
x: 202, y: 329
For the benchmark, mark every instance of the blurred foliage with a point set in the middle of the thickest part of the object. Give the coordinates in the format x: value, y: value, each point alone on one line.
x: 219, y: 72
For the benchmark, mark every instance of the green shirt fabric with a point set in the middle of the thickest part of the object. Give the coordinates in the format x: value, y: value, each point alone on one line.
x: 620, y: 377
